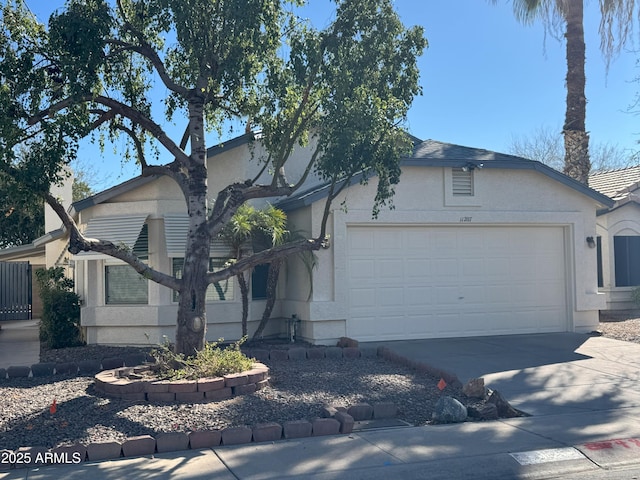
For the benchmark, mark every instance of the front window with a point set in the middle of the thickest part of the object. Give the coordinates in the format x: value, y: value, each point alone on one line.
x: 216, y: 292
x: 627, y: 260
x: 259, y: 278
x: 124, y: 285
x: 599, y: 260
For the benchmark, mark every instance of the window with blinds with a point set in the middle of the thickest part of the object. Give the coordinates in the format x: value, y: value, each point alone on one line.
x: 462, y: 182
x: 124, y: 285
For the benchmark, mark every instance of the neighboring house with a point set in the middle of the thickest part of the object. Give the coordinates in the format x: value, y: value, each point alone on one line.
x: 618, y: 235
x: 478, y: 243
x: 48, y: 250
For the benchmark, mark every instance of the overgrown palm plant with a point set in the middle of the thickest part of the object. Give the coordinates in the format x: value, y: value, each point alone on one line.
x: 247, y: 226
x: 568, y: 16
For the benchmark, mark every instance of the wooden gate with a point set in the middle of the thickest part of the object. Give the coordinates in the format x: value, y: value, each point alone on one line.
x: 15, y: 291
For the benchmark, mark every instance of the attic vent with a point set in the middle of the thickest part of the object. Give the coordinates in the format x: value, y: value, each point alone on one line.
x: 462, y: 182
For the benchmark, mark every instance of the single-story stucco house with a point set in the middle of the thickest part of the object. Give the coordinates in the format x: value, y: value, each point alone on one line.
x: 618, y: 235
x: 478, y: 243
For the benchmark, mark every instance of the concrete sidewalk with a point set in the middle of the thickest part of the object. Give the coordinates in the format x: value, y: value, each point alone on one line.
x: 19, y: 343
x: 583, y: 394
x: 541, y: 446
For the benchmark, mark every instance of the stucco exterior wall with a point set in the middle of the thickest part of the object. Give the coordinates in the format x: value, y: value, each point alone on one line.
x: 147, y: 324
x: 503, y: 197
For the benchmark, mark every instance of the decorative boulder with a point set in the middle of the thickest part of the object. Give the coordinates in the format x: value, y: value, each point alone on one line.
x: 488, y: 411
x: 347, y: 342
x: 505, y: 410
x: 449, y: 410
x: 474, y: 388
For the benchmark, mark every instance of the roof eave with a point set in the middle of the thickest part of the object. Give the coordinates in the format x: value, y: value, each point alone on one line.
x: 310, y: 196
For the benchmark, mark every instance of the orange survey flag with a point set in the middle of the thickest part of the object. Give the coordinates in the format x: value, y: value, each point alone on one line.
x: 442, y: 384
x: 54, y: 407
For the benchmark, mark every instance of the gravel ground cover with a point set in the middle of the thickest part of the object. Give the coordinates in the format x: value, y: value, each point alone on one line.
x: 621, y: 329
x: 297, y: 390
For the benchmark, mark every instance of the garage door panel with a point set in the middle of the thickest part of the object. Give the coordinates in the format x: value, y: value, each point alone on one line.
x: 419, y: 268
x: 360, y: 241
x: 445, y: 267
x: 388, y: 240
x: 473, y: 294
x: 416, y: 241
x: 416, y: 324
x: 418, y: 297
x: 391, y: 297
x: 547, y: 321
x: 363, y: 297
x: 445, y: 243
x: 420, y: 282
x: 447, y: 295
x: 371, y: 329
x: 473, y: 267
x: 495, y: 295
x: 362, y: 269
x: 497, y: 268
x: 549, y: 270
x: 390, y: 269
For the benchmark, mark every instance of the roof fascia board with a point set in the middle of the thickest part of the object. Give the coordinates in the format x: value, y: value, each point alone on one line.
x: 139, y: 181
x: 36, y: 245
x: 231, y: 144
x: 112, y: 192
x: 619, y: 204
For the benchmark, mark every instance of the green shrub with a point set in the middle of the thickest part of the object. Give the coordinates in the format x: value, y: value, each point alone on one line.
x: 211, y: 361
x: 60, y: 323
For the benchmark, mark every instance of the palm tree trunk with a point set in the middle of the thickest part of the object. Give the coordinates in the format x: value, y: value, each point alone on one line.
x: 576, y: 139
x: 272, y: 284
x: 244, y: 290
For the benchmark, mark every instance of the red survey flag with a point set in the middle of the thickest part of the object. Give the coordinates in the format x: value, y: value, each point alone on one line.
x: 442, y: 384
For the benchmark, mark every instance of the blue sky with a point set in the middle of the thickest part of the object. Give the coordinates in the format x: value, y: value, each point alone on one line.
x: 486, y: 78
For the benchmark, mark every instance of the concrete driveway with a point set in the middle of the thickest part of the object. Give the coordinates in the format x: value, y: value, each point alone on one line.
x: 19, y: 343
x: 541, y: 374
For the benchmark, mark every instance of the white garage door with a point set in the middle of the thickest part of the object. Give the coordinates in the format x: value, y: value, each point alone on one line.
x: 423, y: 282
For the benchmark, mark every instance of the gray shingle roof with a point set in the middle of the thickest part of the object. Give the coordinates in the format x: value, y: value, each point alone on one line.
x: 431, y: 153
x: 616, y: 183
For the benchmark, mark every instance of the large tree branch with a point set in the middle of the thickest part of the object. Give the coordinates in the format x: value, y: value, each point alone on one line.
x: 104, y: 117
x: 150, y: 54
x: 136, y: 142
x: 78, y: 243
x: 153, y: 128
x: 265, y: 256
x: 146, y: 50
x: 171, y: 170
x: 123, y: 110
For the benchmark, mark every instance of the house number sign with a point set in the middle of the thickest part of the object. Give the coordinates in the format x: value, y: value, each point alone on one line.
x: 465, y: 219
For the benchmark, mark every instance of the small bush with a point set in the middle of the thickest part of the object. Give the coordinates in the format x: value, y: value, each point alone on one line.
x: 60, y: 323
x: 211, y: 361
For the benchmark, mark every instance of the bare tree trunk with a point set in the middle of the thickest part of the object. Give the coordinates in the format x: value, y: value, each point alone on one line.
x: 576, y: 140
x: 244, y: 290
x: 272, y: 285
x: 192, y: 318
